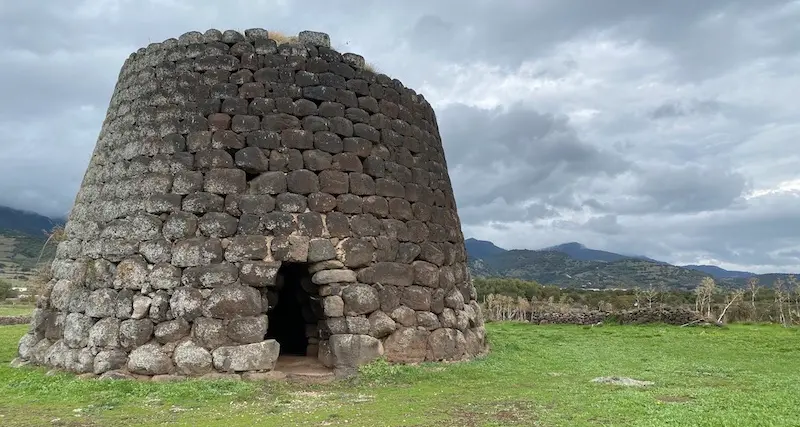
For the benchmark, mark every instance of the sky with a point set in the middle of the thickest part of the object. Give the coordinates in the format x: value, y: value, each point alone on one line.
x: 660, y: 128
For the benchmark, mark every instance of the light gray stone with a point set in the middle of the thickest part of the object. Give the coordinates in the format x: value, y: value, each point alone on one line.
x: 325, y: 277
x: 105, y: 333
x: 109, y: 360
x: 333, y: 306
x: 381, y: 325
x: 360, y: 299
x: 191, y: 359
x: 149, y: 359
x: 247, y: 330
x: 102, y: 303
x: 352, y: 350
x: 76, y: 330
x: 248, y: 357
x: 171, y: 330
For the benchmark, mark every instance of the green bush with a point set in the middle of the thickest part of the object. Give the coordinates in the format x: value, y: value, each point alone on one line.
x: 6, y: 290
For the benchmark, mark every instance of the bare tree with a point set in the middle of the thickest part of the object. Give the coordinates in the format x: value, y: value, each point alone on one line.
x: 704, y: 293
x: 781, y: 296
x: 735, y: 296
x: 793, y: 291
x: 753, y: 287
x: 651, y: 294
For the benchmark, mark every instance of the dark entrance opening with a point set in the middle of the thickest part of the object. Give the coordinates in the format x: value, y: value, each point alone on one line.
x: 292, y: 316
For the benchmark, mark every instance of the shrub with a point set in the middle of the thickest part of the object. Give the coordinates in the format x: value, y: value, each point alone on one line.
x: 6, y: 290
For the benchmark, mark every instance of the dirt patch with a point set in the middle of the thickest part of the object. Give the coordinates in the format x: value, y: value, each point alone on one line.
x: 622, y: 381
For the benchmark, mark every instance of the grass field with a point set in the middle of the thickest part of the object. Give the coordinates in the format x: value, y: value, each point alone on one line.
x: 15, y: 310
x: 535, y: 376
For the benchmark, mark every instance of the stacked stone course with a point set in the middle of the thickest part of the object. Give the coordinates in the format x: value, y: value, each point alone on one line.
x: 224, y: 156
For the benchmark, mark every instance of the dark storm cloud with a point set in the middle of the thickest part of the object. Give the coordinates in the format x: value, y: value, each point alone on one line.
x: 690, y: 188
x: 518, y: 154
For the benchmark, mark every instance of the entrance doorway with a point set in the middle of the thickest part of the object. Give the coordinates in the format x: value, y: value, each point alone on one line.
x: 293, y: 318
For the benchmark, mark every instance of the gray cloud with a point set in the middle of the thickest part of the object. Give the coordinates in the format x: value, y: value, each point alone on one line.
x: 656, y: 127
x: 685, y: 108
x: 519, y: 154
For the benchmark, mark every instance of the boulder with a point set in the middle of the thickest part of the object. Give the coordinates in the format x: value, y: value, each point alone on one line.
x: 191, y: 359
x: 248, y: 357
x: 149, y: 359
x: 233, y: 301
x: 388, y: 273
x: 350, y: 350
x: 360, y: 299
x: 407, y: 345
x: 446, y: 344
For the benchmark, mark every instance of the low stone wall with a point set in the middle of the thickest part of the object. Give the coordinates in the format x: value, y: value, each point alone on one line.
x: 667, y: 315
x: 14, y: 320
x: 569, y: 318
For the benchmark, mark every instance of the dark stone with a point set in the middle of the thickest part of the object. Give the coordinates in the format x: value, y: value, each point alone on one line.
x: 269, y: 183
x: 303, y: 181
x: 310, y: 224
x: 388, y: 273
x: 321, y: 250
x: 376, y: 205
x: 355, y: 252
x: 338, y: 224
x: 258, y: 274
x: 321, y: 202
x: 333, y: 182
x: 362, y: 184
x: 210, y: 276
x: 290, y: 202
x: 252, y: 160
x: 242, y: 248
x: 297, y: 138
x: 230, y: 302
x: 218, y: 224
x: 349, y: 204
x: 316, y: 160
x: 347, y: 162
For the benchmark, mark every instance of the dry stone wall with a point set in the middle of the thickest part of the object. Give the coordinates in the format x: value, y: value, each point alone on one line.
x: 644, y: 315
x: 225, y: 156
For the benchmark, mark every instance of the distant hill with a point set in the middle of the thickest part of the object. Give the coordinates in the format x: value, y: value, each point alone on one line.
x: 573, y: 265
x: 26, y: 222
x: 578, y: 251
x: 560, y: 269
x: 720, y: 273
x: 482, y: 248
x: 22, y: 237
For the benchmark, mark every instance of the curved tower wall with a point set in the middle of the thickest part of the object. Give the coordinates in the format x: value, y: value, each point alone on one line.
x: 239, y: 188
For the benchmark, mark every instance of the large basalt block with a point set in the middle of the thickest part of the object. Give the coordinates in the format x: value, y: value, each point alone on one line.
x: 227, y: 159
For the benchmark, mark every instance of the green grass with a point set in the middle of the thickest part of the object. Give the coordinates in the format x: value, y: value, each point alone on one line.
x: 535, y: 375
x: 15, y: 310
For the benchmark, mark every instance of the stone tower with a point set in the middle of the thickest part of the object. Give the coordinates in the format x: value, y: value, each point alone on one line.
x: 247, y: 199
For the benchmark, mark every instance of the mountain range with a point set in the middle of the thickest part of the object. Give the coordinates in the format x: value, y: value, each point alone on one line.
x: 26, y: 222
x: 574, y: 265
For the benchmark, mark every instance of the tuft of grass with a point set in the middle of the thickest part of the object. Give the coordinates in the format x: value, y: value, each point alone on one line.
x: 535, y: 375
x: 281, y: 38
x: 370, y: 67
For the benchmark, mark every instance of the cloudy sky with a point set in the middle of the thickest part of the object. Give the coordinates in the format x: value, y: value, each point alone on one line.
x: 658, y: 127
